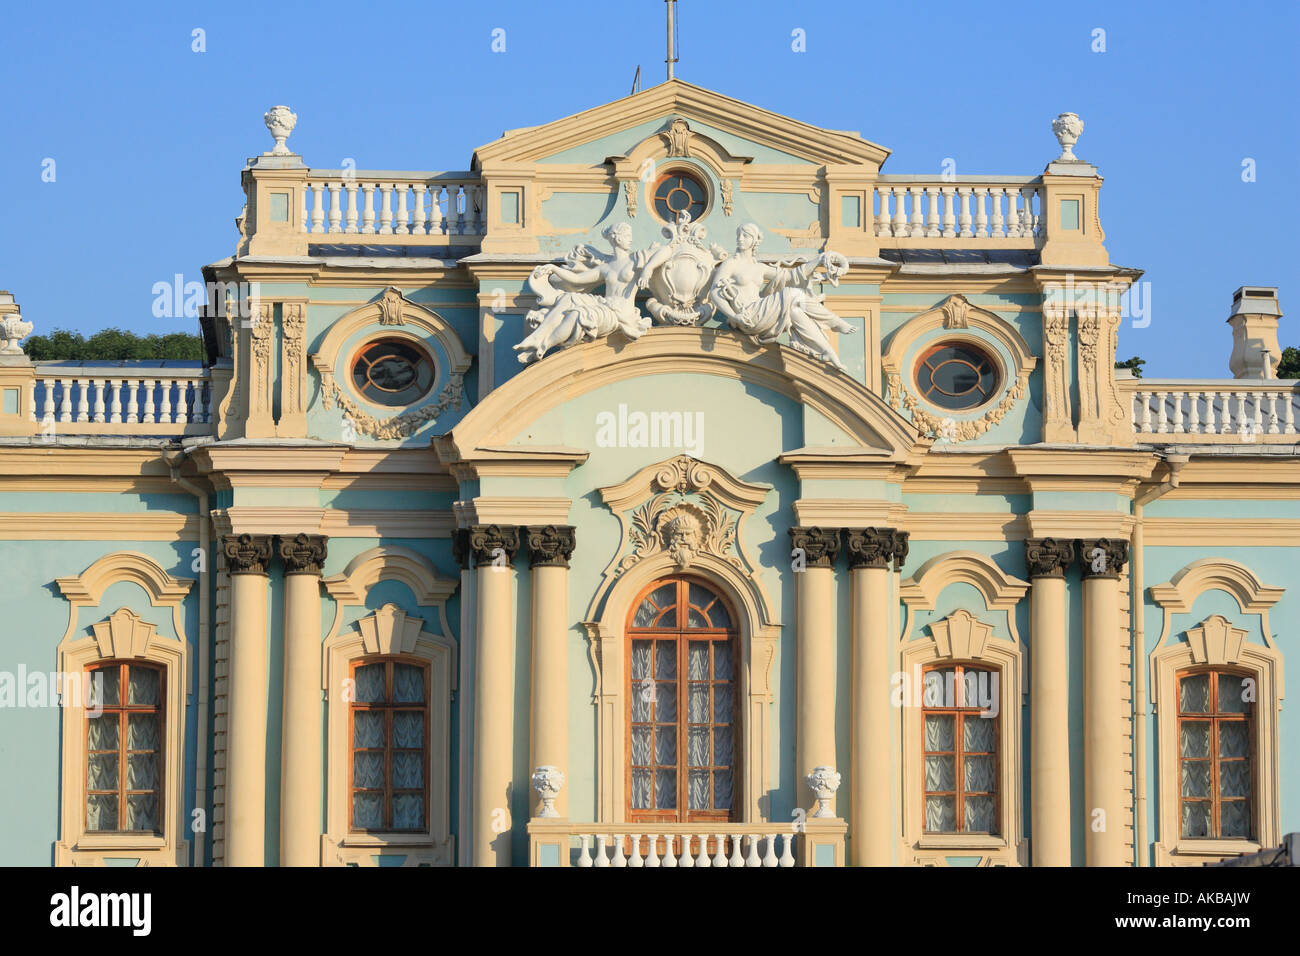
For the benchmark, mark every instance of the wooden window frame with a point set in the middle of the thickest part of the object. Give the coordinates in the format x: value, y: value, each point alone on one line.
x: 682, y: 636
x: 1213, y: 716
x: 124, y: 711
x: 388, y: 707
x: 959, y: 753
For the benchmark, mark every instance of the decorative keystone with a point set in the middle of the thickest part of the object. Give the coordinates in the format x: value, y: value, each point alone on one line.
x: 547, y: 781
x: 823, y: 782
x: 280, y: 121
x: 1067, y: 127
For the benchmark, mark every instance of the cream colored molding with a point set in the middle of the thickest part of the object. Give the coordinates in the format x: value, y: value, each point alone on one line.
x: 339, y: 522
x: 956, y: 313
x: 389, y: 631
x: 1215, y: 642
x: 846, y: 513
x: 1001, y: 591
x: 964, y: 526
x: 27, y: 462
x: 390, y: 563
x: 124, y: 635
x: 293, y: 369
x: 519, y: 510
x: 1179, y: 593
x: 1045, y: 523
x: 1103, y: 418
x: 963, y: 637
x: 1058, y: 418
x: 1221, y: 532
x: 97, y: 526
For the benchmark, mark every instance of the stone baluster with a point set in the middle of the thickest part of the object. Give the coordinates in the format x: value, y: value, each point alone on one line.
x: 47, y: 406
x: 949, y: 211
x: 737, y: 858
x: 1178, y: 411
x: 702, y: 855
x: 83, y: 401
x: 965, y: 218
x: 933, y: 230
x: 317, y: 206
x: 206, y: 392
x: 351, y: 226
x: 418, y: 228
x: 652, y: 857
x: 403, y: 213
x: 1029, y: 219
x: 98, y: 414
x: 584, y: 854
x: 1258, y: 402
x: 995, y: 193
x: 981, y: 212
x: 132, y: 407
x: 769, y: 858
x: 182, y: 401
x: 635, y: 859
x: 65, y: 402
x: 685, y: 859
x: 1162, y: 416
x: 900, y: 213
x: 787, y: 853
x: 882, y: 217
x: 719, y: 849
x: 336, y: 206
x: 1208, y: 426
x: 1241, y: 411
x: 165, y: 400
x: 918, y: 212
x: 368, y: 215
x: 1272, y: 413
x: 601, y: 859
x: 302, y: 208
x: 114, y: 387
x: 752, y: 858
x: 1289, y: 408
x: 386, y: 213
x: 1013, y: 213
x: 619, y: 859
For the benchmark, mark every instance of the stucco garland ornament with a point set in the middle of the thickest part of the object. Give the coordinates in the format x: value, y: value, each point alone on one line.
x: 953, y: 430
x: 764, y: 302
x: 406, y: 424
x: 569, y: 315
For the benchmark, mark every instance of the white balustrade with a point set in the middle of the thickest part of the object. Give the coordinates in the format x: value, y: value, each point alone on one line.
x: 174, y: 402
x: 996, y: 208
x: 683, y: 849
x: 1233, y: 409
x: 402, y: 204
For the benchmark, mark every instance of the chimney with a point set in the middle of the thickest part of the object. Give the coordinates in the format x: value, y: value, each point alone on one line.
x: 1255, y: 352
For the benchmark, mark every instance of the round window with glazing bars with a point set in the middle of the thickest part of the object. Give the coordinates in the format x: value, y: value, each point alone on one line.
x: 957, y: 376
x: 679, y: 191
x: 392, y: 372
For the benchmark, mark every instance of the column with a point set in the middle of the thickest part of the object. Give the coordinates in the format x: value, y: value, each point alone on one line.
x: 303, y: 556
x: 1102, y: 560
x: 493, y: 548
x: 247, y: 557
x: 549, y: 549
x: 870, y: 550
x: 815, y: 654
x: 1049, y: 702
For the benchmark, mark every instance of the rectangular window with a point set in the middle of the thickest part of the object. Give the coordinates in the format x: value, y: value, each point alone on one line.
x: 960, y: 754
x: 388, y: 731
x: 510, y: 208
x: 123, y: 750
x: 1069, y: 214
x: 1215, y: 742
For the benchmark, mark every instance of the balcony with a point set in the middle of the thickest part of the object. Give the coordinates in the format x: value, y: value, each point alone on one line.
x: 162, y: 399
x: 1230, y: 411
x: 815, y: 842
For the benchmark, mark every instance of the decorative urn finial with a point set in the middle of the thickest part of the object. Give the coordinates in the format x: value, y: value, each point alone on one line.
x: 547, y: 781
x: 823, y: 781
x: 280, y: 121
x: 1067, y: 127
x: 12, y: 326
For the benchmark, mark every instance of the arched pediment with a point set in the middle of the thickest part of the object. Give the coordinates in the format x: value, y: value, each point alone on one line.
x: 1001, y: 591
x: 563, y: 376
x: 404, y: 319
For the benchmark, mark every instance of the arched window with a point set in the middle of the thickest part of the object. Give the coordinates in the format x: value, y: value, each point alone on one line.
x: 1215, y: 743
x: 960, y: 750
x: 389, y: 730
x: 682, y: 743
x: 124, y: 784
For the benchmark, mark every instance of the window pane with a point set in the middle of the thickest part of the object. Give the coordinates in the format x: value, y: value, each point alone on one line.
x: 370, y: 684
x: 940, y: 773
x: 979, y: 814
x: 1196, y: 819
x: 1232, y: 690
x: 142, y: 772
x: 101, y: 773
x: 722, y: 660
x: 101, y: 811
x: 665, y: 746
x: 941, y: 814
x: 103, y: 732
x: 1194, y: 694
x: 408, y: 770
x: 699, y: 790
x: 980, y: 774
x: 640, y: 660
x: 666, y: 660
x: 722, y: 746
x: 698, y: 661
x: 1194, y: 738
x: 697, y: 746
x: 143, y: 685
x: 408, y: 811
x: 977, y: 734
x: 1234, y: 738
x: 408, y: 684
x: 695, y: 618
x: 368, y: 771
x: 699, y: 703
x: 665, y: 702
x: 640, y: 746
x: 939, y: 731
x: 1234, y: 778
x: 641, y: 789
x: 367, y: 729
x: 142, y: 732
x: 368, y: 811
x: 722, y: 703
x: 408, y: 729
x: 1234, y: 816
x: 936, y: 684
x: 644, y: 692
x: 1196, y: 778
x: 112, y: 678
x: 142, y: 811
x: 666, y: 789
x: 722, y: 790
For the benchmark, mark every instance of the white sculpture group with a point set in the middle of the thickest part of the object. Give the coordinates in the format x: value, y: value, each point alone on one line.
x: 690, y: 285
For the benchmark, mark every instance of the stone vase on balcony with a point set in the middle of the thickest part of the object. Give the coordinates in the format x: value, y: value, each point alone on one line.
x: 548, y: 781
x: 823, y: 782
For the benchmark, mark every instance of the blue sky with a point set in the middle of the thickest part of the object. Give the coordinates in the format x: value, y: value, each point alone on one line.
x: 148, y: 136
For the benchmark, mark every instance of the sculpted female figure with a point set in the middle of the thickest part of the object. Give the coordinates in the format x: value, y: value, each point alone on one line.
x: 569, y: 316
x: 785, y: 305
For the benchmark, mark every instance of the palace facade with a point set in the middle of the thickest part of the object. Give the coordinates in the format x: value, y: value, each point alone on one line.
x: 673, y: 487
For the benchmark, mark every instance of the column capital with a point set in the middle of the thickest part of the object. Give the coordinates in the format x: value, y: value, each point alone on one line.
x: 551, y: 545
x: 820, y: 545
x: 870, y: 547
x: 900, y: 549
x: 1109, y: 563
x: 1048, y: 557
x: 486, y: 541
x: 247, y: 553
x: 302, y: 553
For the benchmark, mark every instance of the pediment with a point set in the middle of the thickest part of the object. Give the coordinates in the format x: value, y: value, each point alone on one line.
x: 678, y: 99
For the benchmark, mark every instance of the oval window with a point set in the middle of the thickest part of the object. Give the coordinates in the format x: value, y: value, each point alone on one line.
x: 678, y: 192
x: 956, y: 375
x: 392, y: 372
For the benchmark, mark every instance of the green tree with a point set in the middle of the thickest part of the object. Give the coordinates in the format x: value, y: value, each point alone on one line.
x: 1289, y: 367
x: 1135, y: 364
x: 112, y: 345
